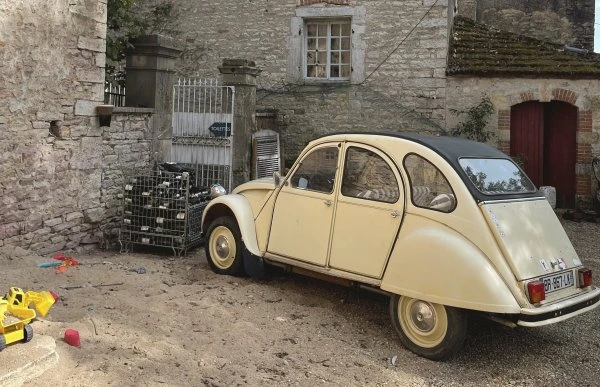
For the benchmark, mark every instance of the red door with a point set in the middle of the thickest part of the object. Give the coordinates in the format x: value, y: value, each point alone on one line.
x: 543, y: 135
x: 527, y: 138
x: 559, y: 151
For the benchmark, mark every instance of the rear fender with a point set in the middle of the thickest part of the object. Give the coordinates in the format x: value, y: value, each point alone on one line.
x: 439, y: 265
x: 239, y: 208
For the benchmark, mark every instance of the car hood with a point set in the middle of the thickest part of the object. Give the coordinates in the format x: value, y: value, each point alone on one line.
x: 531, y: 237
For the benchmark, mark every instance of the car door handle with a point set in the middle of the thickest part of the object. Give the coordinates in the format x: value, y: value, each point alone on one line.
x: 394, y: 214
x: 327, y: 203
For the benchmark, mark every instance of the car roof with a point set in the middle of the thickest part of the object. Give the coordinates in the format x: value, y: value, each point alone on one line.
x: 451, y: 149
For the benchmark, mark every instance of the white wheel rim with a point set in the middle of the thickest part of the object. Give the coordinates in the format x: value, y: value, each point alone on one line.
x: 222, y: 247
x: 424, y: 323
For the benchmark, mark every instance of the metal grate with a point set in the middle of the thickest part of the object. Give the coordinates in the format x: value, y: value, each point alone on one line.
x: 114, y: 94
x: 266, y: 153
x: 162, y: 209
x: 203, y: 128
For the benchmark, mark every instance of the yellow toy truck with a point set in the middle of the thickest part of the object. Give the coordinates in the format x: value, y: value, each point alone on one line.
x: 15, y: 327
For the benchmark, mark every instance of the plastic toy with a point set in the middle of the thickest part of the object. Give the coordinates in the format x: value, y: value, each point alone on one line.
x: 16, y: 302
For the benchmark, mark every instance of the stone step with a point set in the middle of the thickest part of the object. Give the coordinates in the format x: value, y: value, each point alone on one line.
x: 21, y: 362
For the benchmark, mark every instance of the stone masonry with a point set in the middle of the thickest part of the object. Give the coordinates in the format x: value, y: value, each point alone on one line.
x: 398, y: 85
x: 57, y: 165
x: 126, y: 147
x: 51, y: 79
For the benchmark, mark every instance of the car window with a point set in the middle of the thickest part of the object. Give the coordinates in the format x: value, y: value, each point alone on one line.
x: 429, y: 187
x: 368, y: 176
x: 496, y: 176
x: 317, y: 170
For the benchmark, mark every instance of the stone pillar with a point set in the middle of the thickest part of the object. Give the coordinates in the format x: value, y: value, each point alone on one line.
x: 242, y: 73
x: 150, y: 76
x: 467, y: 8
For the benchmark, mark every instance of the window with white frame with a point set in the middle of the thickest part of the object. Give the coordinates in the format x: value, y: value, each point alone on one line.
x: 326, y: 45
x: 327, y: 52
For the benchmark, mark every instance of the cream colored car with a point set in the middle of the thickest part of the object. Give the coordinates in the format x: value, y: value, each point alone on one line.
x: 442, y: 225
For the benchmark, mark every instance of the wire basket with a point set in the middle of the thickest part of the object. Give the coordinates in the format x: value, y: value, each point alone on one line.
x: 162, y: 209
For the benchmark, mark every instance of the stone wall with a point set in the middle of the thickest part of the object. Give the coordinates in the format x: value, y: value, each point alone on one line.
x: 466, y: 92
x: 51, y: 79
x: 59, y: 169
x: 405, y: 91
x: 126, y: 147
x: 560, y: 21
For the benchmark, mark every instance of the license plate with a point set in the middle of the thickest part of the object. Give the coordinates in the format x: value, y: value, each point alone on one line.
x: 553, y: 283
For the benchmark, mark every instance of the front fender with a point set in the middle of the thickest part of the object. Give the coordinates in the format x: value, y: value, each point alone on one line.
x: 434, y: 263
x: 237, y: 206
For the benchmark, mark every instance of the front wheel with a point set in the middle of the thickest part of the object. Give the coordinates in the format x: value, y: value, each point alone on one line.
x: 431, y: 330
x: 224, y: 247
x: 27, y: 333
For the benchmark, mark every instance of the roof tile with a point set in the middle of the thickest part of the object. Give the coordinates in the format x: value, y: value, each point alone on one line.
x: 486, y: 51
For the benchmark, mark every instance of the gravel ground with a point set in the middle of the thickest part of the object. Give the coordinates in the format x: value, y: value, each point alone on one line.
x: 179, y: 324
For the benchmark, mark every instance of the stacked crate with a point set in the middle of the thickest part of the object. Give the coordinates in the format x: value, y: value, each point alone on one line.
x: 162, y: 209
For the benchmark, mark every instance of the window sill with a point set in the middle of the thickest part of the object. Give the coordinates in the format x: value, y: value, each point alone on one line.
x: 313, y: 82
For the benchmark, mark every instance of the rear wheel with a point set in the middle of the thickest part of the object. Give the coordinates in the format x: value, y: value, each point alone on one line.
x: 224, y: 247
x: 430, y: 330
x: 2, y: 343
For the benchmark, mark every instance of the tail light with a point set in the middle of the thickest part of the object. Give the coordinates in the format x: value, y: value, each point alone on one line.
x: 536, y: 291
x: 585, y: 277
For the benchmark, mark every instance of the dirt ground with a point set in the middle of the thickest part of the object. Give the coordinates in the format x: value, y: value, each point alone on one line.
x: 179, y: 324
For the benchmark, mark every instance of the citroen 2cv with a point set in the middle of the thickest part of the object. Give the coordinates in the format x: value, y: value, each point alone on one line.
x: 443, y: 225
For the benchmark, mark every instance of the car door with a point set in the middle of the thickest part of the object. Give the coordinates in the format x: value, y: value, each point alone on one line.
x: 368, y: 212
x: 303, y: 213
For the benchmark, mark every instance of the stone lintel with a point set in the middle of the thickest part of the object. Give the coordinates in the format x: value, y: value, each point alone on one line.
x: 239, y: 66
x: 239, y: 72
x: 239, y: 79
x: 132, y: 110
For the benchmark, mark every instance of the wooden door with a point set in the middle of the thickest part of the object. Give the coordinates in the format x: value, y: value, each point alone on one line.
x: 543, y: 135
x: 527, y: 138
x: 559, y: 151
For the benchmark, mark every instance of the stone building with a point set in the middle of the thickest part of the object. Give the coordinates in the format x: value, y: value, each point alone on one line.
x: 328, y: 65
x: 59, y: 168
x: 546, y: 103
x: 402, y: 71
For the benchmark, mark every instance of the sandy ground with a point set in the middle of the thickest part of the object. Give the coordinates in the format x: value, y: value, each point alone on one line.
x: 179, y: 324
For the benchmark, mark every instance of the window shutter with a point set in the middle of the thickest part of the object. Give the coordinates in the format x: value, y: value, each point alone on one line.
x: 266, y: 153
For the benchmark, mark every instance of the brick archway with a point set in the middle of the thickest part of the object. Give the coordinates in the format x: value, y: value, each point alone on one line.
x: 583, y: 151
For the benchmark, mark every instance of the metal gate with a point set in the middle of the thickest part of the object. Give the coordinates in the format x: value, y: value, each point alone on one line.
x: 203, y: 130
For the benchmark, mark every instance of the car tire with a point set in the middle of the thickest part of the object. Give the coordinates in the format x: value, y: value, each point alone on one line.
x: 27, y: 333
x: 430, y: 330
x: 2, y: 343
x: 224, y: 247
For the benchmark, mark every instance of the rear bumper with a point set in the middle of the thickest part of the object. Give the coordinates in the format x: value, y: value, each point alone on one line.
x: 559, y: 311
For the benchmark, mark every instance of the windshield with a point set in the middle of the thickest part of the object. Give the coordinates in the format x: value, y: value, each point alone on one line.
x: 496, y: 176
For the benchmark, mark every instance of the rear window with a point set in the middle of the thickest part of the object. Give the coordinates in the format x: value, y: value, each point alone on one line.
x: 496, y: 176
